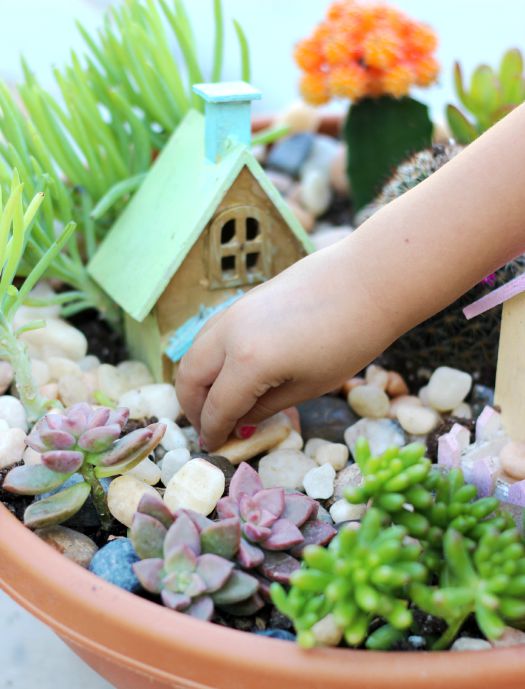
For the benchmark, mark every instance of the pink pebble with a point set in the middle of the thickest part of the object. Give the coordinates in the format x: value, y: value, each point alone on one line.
x: 488, y: 424
x: 461, y: 435
x: 449, y: 451
x: 484, y: 475
x: 516, y: 495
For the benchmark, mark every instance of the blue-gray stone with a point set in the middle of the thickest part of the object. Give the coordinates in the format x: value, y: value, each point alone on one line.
x: 277, y: 634
x: 326, y: 417
x: 288, y: 155
x: 113, y: 563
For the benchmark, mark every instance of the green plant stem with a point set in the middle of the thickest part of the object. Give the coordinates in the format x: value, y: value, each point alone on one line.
x: 95, y: 296
x: 449, y: 635
x: 98, y: 496
x: 15, y: 352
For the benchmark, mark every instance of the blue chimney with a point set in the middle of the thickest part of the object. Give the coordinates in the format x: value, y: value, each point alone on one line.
x: 227, y: 115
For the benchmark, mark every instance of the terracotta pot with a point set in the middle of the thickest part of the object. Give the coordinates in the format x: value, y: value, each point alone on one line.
x: 137, y: 644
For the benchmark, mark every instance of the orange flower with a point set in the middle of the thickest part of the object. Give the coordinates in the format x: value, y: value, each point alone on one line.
x: 348, y: 82
x: 314, y: 88
x: 365, y: 50
x: 397, y: 81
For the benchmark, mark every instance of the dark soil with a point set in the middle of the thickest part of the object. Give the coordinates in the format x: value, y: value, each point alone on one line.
x: 16, y: 504
x: 339, y: 212
x: 103, y: 341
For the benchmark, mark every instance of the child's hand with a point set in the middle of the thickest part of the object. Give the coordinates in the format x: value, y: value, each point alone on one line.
x: 290, y: 339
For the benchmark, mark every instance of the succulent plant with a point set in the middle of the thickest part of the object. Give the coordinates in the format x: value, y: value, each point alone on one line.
x: 271, y: 520
x: 363, y: 574
x: 488, y: 582
x: 491, y: 96
x: 84, y: 440
x: 189, y: 561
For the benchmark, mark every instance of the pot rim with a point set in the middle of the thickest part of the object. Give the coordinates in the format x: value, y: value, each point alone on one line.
x: 75, y: 603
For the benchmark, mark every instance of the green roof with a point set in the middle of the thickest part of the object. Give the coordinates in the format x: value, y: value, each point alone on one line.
x: 150, y: 240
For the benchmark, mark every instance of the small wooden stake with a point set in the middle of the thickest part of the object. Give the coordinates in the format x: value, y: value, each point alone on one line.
x: 510, y: 376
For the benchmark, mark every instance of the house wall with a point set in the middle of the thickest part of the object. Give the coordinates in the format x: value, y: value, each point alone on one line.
x: 189, y: 288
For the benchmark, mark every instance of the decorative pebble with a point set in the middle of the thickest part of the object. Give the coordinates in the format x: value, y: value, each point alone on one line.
x: 173, y: 438
x: 352, y: 383
x: 343, y: 511
x: 466, y: 643
x: 324, y: 150
x: 315, y: 194
x: 396, y: 385
x: 423, y: 395
x: 488, y: 424
x: 448, y: 451
x: 402, y: 401
x: 338, y: 174
x: 72, y: 544
x: 327, y: 632
x: 369, y: 401
x: 462, y: 411
x: 197, y: 486
x: 312, y: 445
x: 293, y: 442
x: 12, y: 411
x: 124, y: 495
x: 111, y: 382
x: 49, y: 391
x: 40, y: 372
x: 134, y: 374
x: 56, y: 338
x: 158, y: 399
x: 146, y: 471
x: 31, y: 457
x: 282, y: 182
x: 60, y: 366
x: 289, y: 154
x: 448, y: 387
x: 319, y: 482
x: 510, y: 637
x: 281, y: 634
x: 349, y: 477
x: 114, y: 563
x: 512, y: 458
x: 89, y: 363
x: 325, y: 417
x: 267, y: 436
x: 172, y: 462
x: 376, y: 375
x: 380, y: 434
x: 484, y: 476
x: 12, y: 446
x: 73, y: 389
x: 300, y: 117
x: 306, y: 219
x: 418, y: 420
x: 6, y: 376
x: 285, y: 469
x: 335, y: 454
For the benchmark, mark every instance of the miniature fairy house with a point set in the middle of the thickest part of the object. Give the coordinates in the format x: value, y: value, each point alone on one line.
x: 205, y: 226
x: 510, y: 373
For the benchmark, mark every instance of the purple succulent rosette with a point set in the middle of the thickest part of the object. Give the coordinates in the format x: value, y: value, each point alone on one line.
x: 272, y: 521
x: 83, y: 440
x: 189, y: 561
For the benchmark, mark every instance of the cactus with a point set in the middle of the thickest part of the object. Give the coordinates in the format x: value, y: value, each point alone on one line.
x: 491, y: 96
x: 86, y: 441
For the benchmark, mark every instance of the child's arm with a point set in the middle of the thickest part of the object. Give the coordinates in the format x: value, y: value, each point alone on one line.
x: 322, y: 320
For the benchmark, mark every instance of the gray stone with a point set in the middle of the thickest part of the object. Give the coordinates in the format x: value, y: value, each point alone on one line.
x: 113, y: 563
x: 72, y: 544
x: 326, y: 417
x: 288, y: 155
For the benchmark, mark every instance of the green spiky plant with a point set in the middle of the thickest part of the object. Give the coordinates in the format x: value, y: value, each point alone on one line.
x: 17, y: 232
x: 89, y: 151
x: 425, y: 540
x: 492, y: 94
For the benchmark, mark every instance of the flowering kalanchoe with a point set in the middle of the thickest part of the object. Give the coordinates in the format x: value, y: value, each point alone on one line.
x: 84, y: 440
x: 271, y: 520
x: 189, y: 561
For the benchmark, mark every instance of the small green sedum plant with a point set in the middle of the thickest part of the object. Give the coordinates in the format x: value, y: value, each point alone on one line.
x: 84, y: 440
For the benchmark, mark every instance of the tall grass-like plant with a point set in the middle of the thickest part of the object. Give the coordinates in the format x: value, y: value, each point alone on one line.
x: 16, y: 232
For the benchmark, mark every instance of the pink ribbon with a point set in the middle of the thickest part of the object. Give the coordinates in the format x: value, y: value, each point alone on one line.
x: 495, y: 298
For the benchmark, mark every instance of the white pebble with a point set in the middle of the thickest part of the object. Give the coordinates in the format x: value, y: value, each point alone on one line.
x: 31, y: 457
x: 512, y: 458
x: 418, y: 420
x: 285, y: 469
x: 40, y: 372
x: 173, y: 438
x: 172, y: 462
x: 402, y: 401
x: 462, y: 411
x: 423, y: 395
x: 73, y: 389
x: 12, y: 411
x: 89, y: 363
x: 60, y: 366
x: 49, y: 391
x: 343, y: 511
x: 158, y: 399
x: 197, y: 486
x: 376, y: 375
x: 369, y: 401
x: 300, y: 117
x: 26, y: 314
x: 110, y: 382
x: 315, y: 192
x: 380, y: 434
x: 293, y: 442
x: 6, y: 376
x: 134, y: 374
x: 448, y: 387
x: 319, y: 482
x: 466, y: 643
x: 312, y: 445
x: 56, y: 338
x: 124, y: 494
x: 146, y: 471
x: 327, y: 631
x: 12, y: 446
x: 335, y: 454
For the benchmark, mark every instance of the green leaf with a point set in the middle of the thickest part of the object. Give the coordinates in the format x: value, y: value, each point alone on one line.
x: 147, y: 535
x: 511, y: 77
x: 484, y: 94
x: 460, y: 89
x: 33, y: 480
x: 58, y: 508
x: 219, y: 41
x: 380, y: 134
x: 239, y: 587
x: 462, y: 130
x: 245, y: 52
x: 116, y: 193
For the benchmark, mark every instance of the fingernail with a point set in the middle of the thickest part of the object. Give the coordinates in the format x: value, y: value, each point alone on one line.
x: 246, y: 432
x: 202, y: 444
